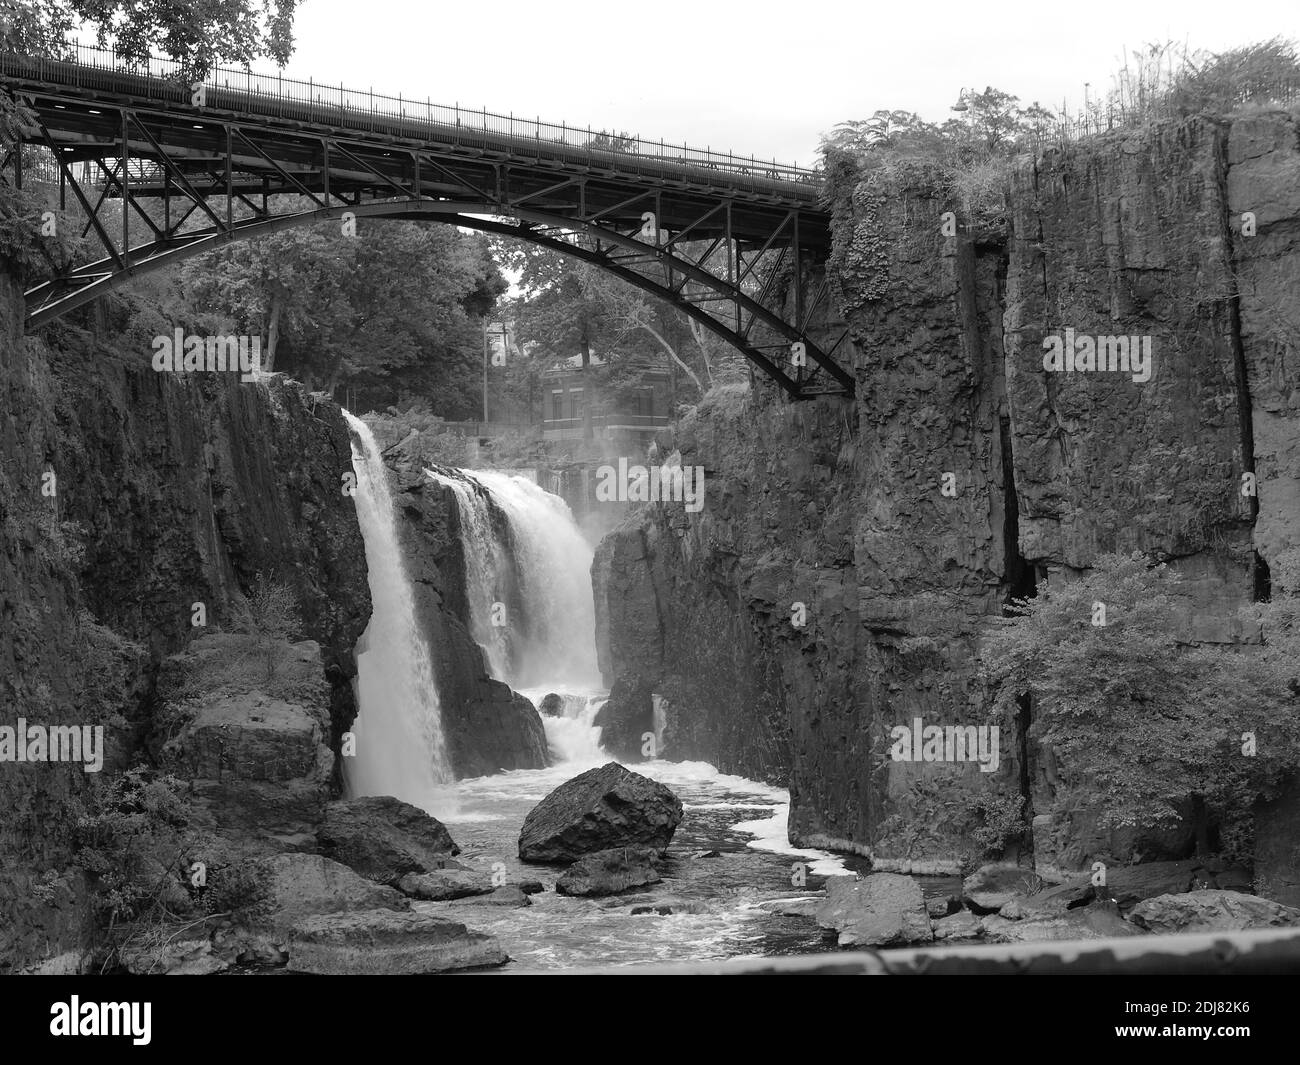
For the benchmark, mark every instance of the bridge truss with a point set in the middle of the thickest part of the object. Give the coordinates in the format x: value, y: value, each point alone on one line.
x: 158, y: 171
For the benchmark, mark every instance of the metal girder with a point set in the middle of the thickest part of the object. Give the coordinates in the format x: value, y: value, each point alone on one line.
x: 735, y: 260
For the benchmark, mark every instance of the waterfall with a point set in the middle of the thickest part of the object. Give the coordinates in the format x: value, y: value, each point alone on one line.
x: 530, y: 582
x: 400, y: 747
x: 572, y: 734
x: 485, y: 559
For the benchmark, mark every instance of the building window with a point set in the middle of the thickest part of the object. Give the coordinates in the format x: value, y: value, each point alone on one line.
x: 575, y: 403
x: 645, y: 401
x: 557, y: 405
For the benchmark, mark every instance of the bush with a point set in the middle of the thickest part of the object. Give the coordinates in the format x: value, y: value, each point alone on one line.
x: 269, y: 613
x: 118, y: 826
x: 1129, y: 705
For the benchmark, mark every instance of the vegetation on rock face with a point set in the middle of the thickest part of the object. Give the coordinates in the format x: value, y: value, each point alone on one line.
x: 972, y: 154
x: 269, y: 613
x: 1129, y: 704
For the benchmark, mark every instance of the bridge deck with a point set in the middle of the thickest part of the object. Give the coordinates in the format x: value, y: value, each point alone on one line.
x: 276, y: 102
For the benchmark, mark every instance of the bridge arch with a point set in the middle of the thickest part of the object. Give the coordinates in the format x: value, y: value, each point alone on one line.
x: 735, y: 245
x: 534, y: 227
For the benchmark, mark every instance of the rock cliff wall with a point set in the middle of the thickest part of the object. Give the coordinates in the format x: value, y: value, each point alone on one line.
x: 126, y: 498
x: 964, y: 473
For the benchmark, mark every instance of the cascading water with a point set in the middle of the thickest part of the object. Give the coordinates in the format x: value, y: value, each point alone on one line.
x: 553, y: 564
x: 543, y: 640
x: 485, y: 560
x: 400, y: 746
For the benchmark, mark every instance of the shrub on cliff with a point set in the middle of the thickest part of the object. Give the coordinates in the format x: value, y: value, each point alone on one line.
x: 269, y: 613
x: 1130, y: 706
x: 119, y: 827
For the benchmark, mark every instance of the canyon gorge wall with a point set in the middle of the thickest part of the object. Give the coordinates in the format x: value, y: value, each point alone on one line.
x: 126, y: 498
x: 1185, y: 232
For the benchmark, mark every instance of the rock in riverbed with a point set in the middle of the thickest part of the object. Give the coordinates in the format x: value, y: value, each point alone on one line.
x: 383, y: 838
x: 881, y: 910
x: 597, y: 810
x: 1212, y: 911
x: 443, y: 885
x: 381, y: 942
x: 991, y: 887
x: 303, y: 885
x: 609, y: 872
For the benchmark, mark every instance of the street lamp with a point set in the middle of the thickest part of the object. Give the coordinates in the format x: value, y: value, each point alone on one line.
x: 962, y: 97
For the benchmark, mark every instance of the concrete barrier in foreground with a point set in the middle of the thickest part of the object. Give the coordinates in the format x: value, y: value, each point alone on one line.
x: 1272, y: 951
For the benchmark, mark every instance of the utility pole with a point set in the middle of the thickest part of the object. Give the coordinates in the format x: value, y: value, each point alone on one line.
x: 485, y: 366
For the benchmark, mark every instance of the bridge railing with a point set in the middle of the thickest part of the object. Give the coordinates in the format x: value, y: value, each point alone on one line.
x: 93, y: 68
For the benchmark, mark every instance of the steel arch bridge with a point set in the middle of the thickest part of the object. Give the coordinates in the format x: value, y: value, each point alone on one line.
x: 738, y: 244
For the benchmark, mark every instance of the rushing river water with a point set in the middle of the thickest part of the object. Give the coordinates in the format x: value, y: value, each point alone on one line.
x: 715, y: 900
x: 730, y: 868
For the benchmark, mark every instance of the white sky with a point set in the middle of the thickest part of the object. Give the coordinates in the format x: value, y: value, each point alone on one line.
x: 755, y: 77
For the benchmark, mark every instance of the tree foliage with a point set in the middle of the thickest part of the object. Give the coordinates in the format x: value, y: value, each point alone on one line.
x: 1150, y: 720
x: 197, y: 34
x: 390, y: 312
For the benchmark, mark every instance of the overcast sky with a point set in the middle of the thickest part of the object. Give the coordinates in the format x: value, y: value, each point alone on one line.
x: 757, y: 77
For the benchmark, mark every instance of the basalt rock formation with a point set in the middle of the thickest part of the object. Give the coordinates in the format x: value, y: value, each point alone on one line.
x: 137, y: 509
x: 489, y: 727
x: 852, y: 555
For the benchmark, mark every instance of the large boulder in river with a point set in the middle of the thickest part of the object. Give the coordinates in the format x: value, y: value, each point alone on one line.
x: 597, y: 810
x: 881, y: 910
x: 304, y: 885
x: 383, y: 838
x: 381, y: 942
x: 445, y: 884
x: 991, y: 887
x: 610, y: 872
x: 1212, y: 911
x: 884, y: 909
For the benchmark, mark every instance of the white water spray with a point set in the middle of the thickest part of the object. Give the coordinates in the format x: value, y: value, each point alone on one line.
x: 400, y: 747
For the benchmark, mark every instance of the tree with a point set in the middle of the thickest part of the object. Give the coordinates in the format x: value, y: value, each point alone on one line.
x: 389, y: 312
x: 1127, y: 705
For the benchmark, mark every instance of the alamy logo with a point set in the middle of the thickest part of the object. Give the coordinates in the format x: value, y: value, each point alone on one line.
x: 102, y: 1018
x: 1101, y: 354
x: 946, y: 743
x: 179, y: 353
x: 654, y: 484
x: 53, y: 743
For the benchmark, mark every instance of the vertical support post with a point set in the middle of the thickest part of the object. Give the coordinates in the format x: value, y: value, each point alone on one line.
x: 325, y: 168
x: 798, y: 278
x: 126, y: 192
x: 230, y: 182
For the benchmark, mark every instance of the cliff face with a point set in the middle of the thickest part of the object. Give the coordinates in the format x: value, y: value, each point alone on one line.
x: 126, y: 498
x: 965, y: 473
x: 489, y: 727
x: 702, y: 606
